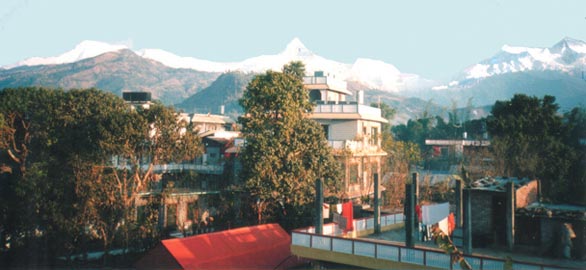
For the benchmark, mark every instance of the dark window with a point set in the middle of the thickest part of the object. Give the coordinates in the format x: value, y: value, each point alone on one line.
x: 191, y: 208
x: 140, y: 214
x: 314, y: 95
x: 353, y: 173
x: 171, y: 215
x: 373, y: 135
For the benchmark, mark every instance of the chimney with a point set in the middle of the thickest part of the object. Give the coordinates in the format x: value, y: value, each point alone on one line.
x: 360, y: 97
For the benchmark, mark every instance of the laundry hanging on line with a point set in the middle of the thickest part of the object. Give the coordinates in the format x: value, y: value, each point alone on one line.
x: 432, y: 214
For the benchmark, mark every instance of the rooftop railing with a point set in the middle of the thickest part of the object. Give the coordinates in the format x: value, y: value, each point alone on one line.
x: 332, y: 83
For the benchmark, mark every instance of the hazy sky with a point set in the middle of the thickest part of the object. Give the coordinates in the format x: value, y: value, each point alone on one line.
x: 435, y: 39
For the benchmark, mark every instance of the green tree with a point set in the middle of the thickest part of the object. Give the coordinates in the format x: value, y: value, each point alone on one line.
x: 575, y: 124
x: 285, y: 151
x: 24, y: 142
x: 56, y: 150
x: 295, y: 69
x: 527, y: 136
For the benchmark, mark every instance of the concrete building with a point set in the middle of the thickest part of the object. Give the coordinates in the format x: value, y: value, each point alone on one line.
x: 352, y: 129
x: 185, y: 194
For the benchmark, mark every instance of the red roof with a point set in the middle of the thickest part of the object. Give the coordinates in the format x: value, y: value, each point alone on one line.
x: 258, y: 247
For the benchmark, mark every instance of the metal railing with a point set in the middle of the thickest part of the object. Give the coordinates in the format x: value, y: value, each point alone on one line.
x: 354, y: 146
x: 165, y: 168
x: 331, y: 241
x: 358, y: 224
x: 347, y: 108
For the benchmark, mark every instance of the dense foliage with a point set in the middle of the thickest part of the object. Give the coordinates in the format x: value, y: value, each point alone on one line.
x: 61, y: 194
x: 531, y: 139
x: 285, y: 151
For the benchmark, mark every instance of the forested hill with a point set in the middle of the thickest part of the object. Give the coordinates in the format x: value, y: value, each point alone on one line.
x: 226, y: 90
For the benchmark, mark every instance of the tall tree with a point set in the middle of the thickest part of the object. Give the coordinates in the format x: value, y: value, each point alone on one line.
x: 528, y: 137
x: 56, y: 151
x: 285, y: 151
x: 575, y: 124
x: 24, y: 142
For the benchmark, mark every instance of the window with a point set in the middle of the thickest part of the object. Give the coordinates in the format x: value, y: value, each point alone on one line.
x: 373, y: 135
x: 172, y: 215
x: 191, y: 209
x: 314, y: 95
x: 353, y: 173
x: 326, y: 131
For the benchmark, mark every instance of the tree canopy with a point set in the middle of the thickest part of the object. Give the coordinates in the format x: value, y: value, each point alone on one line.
x: 528, y: 137
x: 285, y: 150
x: 57, y: 177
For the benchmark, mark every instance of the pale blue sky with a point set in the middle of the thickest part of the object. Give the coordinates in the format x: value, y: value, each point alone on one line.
x: 435, y: 39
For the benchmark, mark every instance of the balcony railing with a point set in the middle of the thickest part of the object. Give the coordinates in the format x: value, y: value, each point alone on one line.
x: 332, y: 241
x: 354, y: 146
x: 347, y: 107
x: 168, y: 168
x: 202, y: 186
x: 203, y: 168
x: 315, y: 80
x: 323, y: 80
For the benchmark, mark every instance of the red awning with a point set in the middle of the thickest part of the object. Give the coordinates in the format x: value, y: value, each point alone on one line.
x: 258, y: 247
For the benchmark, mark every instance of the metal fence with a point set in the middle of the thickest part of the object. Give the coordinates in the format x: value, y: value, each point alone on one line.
x: 331, y: 240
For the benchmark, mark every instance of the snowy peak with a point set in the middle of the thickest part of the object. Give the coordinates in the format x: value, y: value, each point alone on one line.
x: 83, y: 50
x: 374, y: 74
x: 296, y: 48
x: 567, y: 55
x: 568, y: 43
x: 90, y: 48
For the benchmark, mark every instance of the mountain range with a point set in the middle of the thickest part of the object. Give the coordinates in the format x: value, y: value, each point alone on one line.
x: 201, y: 85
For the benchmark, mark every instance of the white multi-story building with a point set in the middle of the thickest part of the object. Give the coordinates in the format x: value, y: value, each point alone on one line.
x: 352, y: 129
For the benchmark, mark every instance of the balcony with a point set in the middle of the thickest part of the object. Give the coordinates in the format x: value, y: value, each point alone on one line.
x: 356, y: 147
x: 171, y: 168
x: 201, y: 168
x: 323, y: 82
x: 349, y: 107
x: 182, y: 187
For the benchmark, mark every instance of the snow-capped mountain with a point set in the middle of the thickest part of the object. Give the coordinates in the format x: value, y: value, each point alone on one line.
x: 558, y: 71
x: 567, y: 55
x: 85, y: 49
x: 373, y: 74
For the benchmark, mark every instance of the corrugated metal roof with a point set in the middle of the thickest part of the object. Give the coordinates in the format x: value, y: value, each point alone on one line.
x: 498, y: 183
x: 257, y: 247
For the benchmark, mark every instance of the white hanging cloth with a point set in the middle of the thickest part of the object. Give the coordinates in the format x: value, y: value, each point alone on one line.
x: 432, y: 214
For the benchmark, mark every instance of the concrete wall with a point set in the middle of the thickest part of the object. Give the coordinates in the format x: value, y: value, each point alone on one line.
x: 343, y: 130
x: 482, y: 213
